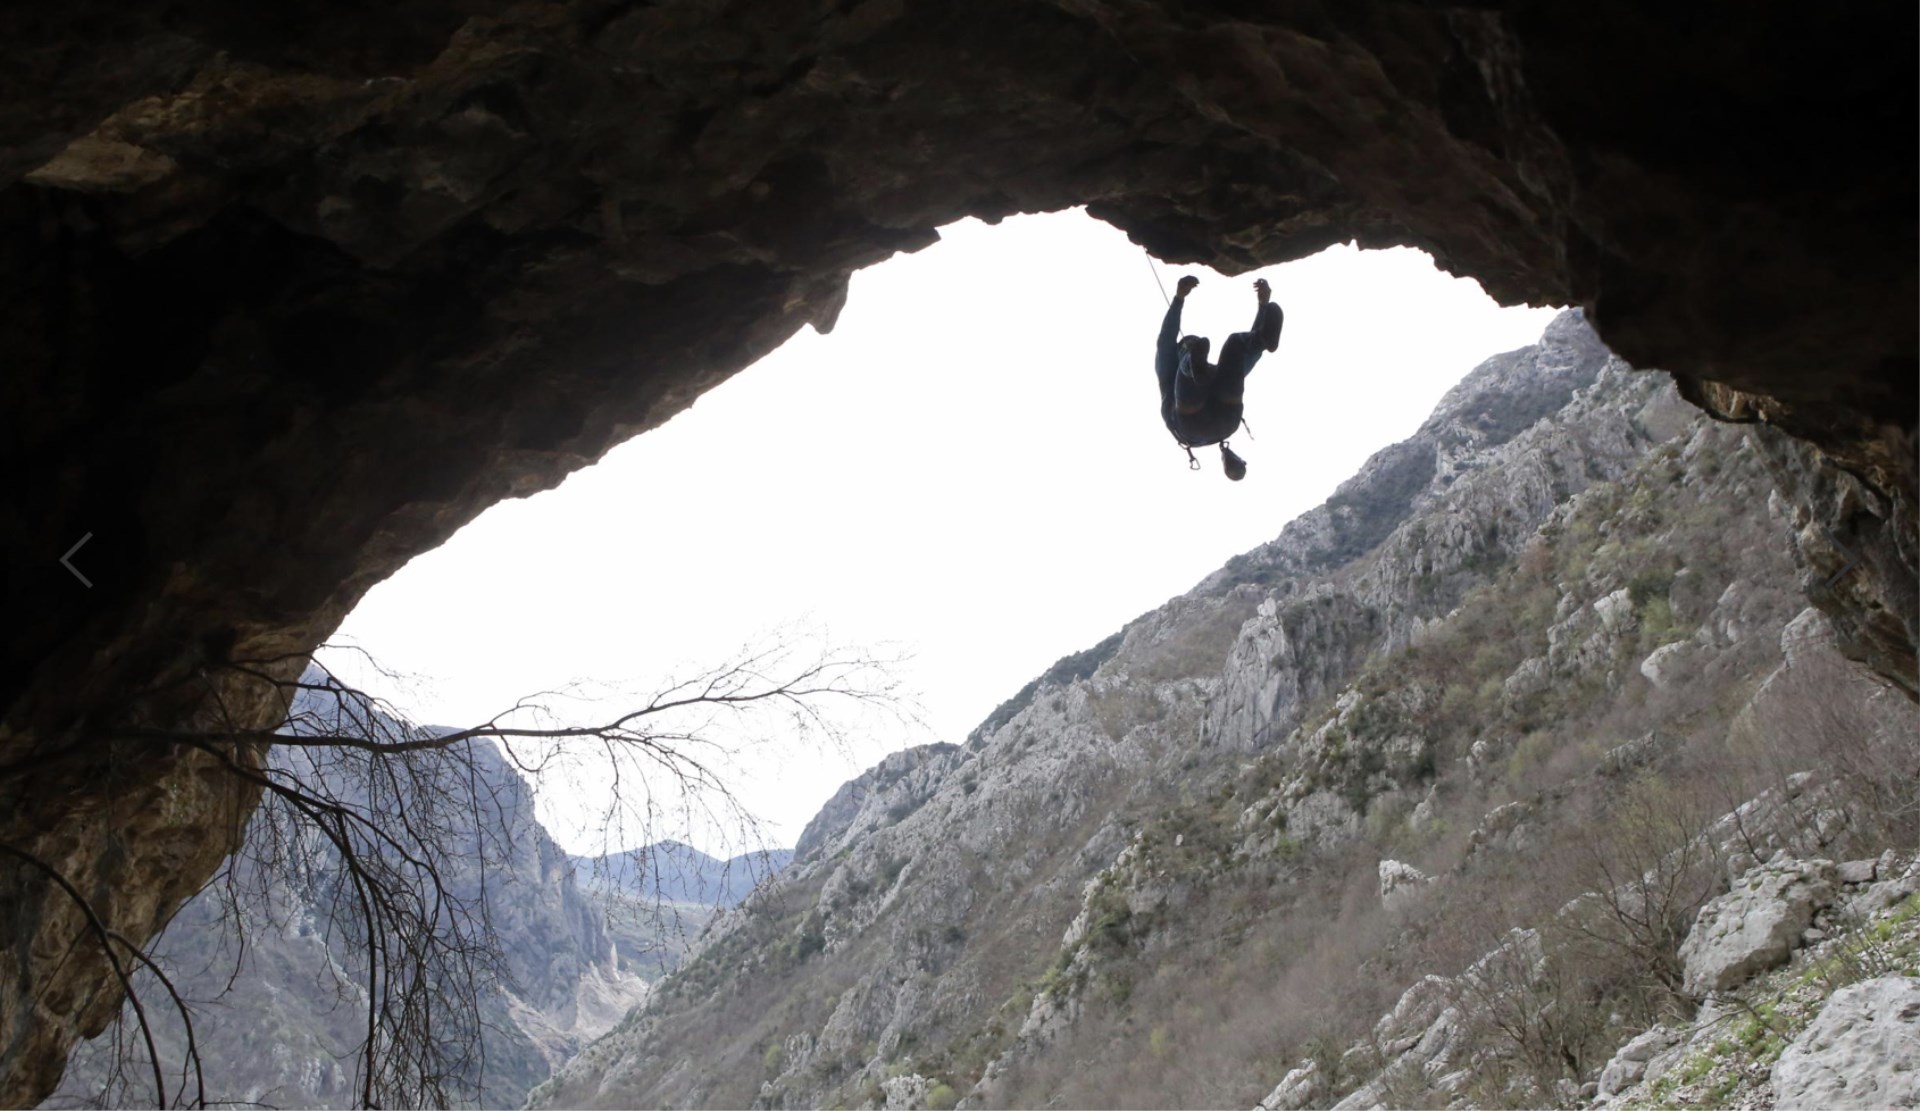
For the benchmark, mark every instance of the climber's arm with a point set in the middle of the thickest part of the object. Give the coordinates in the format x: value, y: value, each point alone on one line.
x: 1166, y: 352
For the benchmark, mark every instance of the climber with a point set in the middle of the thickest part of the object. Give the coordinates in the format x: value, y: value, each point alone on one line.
x: 1201, y: 401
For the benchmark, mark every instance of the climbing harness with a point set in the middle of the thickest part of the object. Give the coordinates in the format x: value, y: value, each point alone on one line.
x: 1193, y: 464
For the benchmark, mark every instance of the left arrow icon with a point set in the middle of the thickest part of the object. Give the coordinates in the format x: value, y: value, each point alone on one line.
x: 84, y: 581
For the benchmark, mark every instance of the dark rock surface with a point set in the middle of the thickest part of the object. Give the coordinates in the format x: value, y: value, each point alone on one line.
x: 292, y: 292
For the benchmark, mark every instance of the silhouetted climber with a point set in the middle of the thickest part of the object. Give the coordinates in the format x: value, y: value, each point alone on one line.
x: 1201, y: 401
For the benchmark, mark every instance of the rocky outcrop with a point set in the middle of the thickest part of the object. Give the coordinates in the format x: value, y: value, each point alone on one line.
x: 1400, y: 882
x: 1428, y: 1039
x: 1860, y: 1052
x: 882, y: 794
x: 1788, y: 1039
x: 1756, y: 925
x: 289, y: 298
x: 1831, y: 1029
x: 1850, y: 539
x: 1629, y: 1066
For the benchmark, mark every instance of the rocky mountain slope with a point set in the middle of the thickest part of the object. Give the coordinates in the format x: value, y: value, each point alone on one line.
x: 1156, y: 875
x: 274, y: 974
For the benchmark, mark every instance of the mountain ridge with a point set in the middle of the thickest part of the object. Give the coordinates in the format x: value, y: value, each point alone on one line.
x: 984, y: 847
x: 678, y: 872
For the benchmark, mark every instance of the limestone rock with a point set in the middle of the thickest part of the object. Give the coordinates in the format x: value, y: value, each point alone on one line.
x: 1531, y: 677
x: 1863, y: 1050
x: 1756, y: 925
x: 1805, y: 635
x: 1664, y: 666
x: 902, y: 780
x: 1505, y: 829
x: 1629, y: 1065
x: 906, y: 1093
x: 1022, y: 835
x: 1296, y: 1090
x: 1415, y: 1011
x: 1615, y: 611
x: 1898, y: 879
x: 1855, y: 871
x: 1637, y: 753
x: 1399, y: 881
x: 1843, y: 532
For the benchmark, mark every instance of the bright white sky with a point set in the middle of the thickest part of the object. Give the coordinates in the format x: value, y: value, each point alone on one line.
x: 970, y: 468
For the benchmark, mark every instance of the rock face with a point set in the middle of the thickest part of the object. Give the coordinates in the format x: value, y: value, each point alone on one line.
x: 289, y: 297
x: 1756, y: 925
x: 1863, y: 1050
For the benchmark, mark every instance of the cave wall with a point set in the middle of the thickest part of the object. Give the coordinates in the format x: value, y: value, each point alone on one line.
x: 293, y: 291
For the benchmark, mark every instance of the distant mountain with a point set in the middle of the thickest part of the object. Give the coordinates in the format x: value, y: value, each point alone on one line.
x: 674, y: 872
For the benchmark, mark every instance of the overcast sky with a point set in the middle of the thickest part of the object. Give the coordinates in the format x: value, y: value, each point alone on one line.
x: 970, y: 468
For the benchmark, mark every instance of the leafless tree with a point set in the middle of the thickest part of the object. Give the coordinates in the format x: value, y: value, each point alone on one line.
x: 387, y: 834
x: 1649, y: 865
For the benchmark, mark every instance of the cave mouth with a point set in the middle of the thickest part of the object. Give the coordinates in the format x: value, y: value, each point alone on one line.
x: 970, y: 467
x: 593, y: 215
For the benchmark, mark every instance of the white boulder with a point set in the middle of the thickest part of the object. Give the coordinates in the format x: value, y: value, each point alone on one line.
x: 1629, y: 1065
x: 1664, y: 666
x: 1863, y: 1050
x: 1756, y: 925
x: 1805, y: 635
x: 906, y: 1093
x: 1615, y: 611
x: 1399, y: 881
x: 1899, y: 881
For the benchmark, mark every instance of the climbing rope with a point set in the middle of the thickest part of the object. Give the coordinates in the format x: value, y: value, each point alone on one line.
x: 1161, y: 284
x: 1192, y: 463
